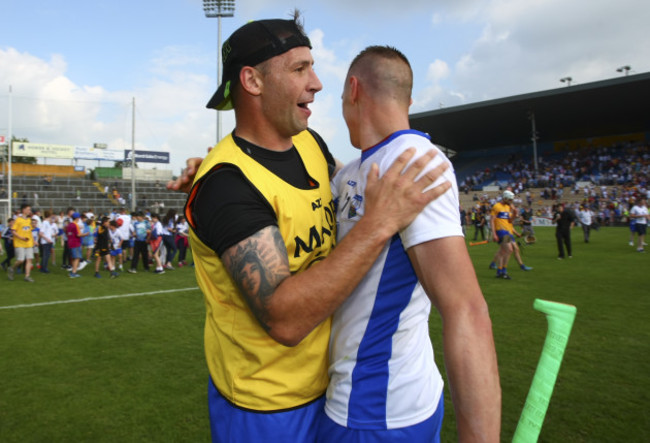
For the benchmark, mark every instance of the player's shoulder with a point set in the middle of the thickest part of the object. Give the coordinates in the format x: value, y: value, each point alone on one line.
x: 400, y: 141
x: 412, y: 138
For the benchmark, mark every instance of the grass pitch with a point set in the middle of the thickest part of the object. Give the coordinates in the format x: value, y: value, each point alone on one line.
x: 603, y: 388
x: 126, y: 364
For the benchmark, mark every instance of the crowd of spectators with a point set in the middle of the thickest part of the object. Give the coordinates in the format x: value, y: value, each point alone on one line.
x: 610, y: 205
x: 607, y: 181
x: 114, y: 241
x: 618, y: 165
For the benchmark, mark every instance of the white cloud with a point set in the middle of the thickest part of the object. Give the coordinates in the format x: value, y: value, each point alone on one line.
x: 528, y: 46
x: 433, y: 95
x: 326, y: 60
x: 437, y: 71
x: 170, y: 110
x: 331, y: 69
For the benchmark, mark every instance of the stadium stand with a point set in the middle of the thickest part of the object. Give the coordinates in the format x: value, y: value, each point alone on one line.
x: 57, y: 193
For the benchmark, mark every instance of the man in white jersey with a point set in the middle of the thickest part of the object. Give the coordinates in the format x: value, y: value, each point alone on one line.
x: 123, y: 228
x: 585, y: 216
x: 384, y: 385
x: 639, y: 213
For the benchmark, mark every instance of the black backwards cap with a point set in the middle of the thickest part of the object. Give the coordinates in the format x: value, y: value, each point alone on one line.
x: 250, y: 45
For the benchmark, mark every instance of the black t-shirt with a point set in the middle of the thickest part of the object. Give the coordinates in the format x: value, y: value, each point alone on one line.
x: 228, y: 208
x: 564, y: 219
x: 102, y: 238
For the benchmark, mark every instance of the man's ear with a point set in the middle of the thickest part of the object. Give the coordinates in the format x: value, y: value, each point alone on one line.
x: 353, y: 88
x: 250, y: 80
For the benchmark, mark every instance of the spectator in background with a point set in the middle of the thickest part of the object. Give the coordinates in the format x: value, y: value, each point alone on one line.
x: 23, y: 243
x: 640, y: 213
x: 7, y: 239
x: 169, y: 230
x: 66, y: 259
x: 103, y: 248
x: 632, y: 222
x: 131, y: 240
x: 564, y: 221
x: 49, y: 231
x: 88, y: 241
x: 116, y: 240
x: 527, y: 230
x: 182, y: 233
x: 124, y: 228
x: 74, y: 234
x: 155, y: 240
x: 2, y: 230
x: 36, y: 235
x: 479, y: 222
x: 585, y: 216
x: 141, y: 230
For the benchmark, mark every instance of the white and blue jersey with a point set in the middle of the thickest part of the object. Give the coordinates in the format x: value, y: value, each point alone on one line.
x: 382, y: 371
x: 116, y: 242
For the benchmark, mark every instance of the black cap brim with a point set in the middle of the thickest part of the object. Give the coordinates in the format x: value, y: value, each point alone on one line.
x: 221, y: 100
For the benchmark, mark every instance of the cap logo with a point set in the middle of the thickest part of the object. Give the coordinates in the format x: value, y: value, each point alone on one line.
x: 226, y: 92
x: 226, y: 50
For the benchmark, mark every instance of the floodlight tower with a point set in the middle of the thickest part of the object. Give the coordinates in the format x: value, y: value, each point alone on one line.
x: 218, y: 9
x: 566, y: 80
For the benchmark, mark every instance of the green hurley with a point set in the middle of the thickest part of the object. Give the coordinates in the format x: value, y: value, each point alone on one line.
x: 560, y: 321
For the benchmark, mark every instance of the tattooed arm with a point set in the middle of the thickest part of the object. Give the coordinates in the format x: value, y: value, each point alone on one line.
x: 290, y: 306
x: 258, y: 265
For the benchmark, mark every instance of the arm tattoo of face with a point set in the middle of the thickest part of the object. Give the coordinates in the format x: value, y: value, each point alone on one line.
x: 258, y: 265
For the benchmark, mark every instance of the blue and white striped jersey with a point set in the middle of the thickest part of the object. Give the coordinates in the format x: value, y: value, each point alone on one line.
x: 382, y: 370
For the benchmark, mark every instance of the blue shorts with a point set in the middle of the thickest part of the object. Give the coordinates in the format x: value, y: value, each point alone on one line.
x: 75, y: 252
x: 116, y: 252
x: 427, y: 431
x: 633, y: 227
x: 501, y: 234
x: 230, y: 423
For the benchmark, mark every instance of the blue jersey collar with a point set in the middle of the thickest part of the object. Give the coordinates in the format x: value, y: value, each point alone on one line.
x: 371, y: 150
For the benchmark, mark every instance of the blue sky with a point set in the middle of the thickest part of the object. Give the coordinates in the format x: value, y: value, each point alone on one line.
x: 74, y: 65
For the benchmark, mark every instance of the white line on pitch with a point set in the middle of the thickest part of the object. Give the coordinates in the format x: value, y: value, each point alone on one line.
x: 106, y: 297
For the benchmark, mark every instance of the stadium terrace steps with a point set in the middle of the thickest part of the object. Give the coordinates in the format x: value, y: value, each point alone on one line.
x: 85, y: 194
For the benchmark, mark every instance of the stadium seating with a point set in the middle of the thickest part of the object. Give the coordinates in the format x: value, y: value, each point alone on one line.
x: 85, y: 194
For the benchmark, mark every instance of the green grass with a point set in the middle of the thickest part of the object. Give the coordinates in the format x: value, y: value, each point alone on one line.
x: 602, y: 393
x: 132, y: 369
x: 113, y: 370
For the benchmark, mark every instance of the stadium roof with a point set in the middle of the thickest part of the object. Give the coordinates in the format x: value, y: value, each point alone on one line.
x: 609, y: 107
